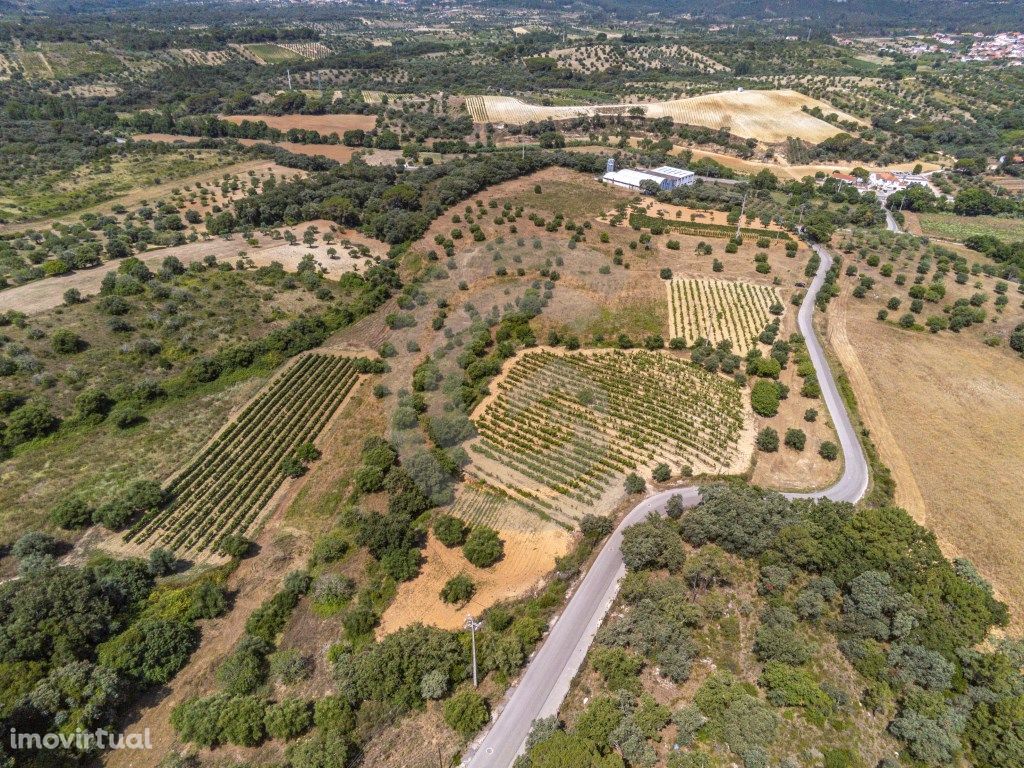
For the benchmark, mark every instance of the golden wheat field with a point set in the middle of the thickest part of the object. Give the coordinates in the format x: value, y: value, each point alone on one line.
x: 770, y: 116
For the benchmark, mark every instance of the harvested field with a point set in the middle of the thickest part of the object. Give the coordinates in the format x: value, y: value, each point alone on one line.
x: 8, y: 66
x: 1009, y: 183
x: 719, y: 310
x: 770, y: 116
x: 561, y: 431
x: 337, y: 152
x: 272, y: 53
x: 325, y: 124
x: 195, y: 57
x: 34, y: 65
x: 965, y: 399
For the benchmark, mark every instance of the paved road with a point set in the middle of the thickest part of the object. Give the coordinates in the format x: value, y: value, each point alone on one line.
x: 546, y: 681
x: 891, y: 223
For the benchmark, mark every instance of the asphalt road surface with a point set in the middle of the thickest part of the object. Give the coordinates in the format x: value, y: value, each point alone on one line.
x: 545, y: 683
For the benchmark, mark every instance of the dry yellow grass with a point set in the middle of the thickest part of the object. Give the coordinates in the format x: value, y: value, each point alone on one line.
x: 325, y: 124
x: 952, y: 431
x: 769, y: 116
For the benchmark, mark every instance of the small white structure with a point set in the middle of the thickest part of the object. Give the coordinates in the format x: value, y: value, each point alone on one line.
x: 666, y: 178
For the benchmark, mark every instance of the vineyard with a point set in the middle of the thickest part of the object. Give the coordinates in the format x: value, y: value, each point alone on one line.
x: 231, y: 481
x: 563, y: 430
x: 718, y: 310
x: 507, y: 109
x: 770, y: 116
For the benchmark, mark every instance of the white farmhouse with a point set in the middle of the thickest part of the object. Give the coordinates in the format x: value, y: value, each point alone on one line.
x: 885, y: 182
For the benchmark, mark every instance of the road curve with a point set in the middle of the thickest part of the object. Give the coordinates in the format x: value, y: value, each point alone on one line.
x: 545, y: 683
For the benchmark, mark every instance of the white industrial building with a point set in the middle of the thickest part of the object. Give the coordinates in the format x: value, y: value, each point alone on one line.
x: 667, y: 177
x: 677, y: 177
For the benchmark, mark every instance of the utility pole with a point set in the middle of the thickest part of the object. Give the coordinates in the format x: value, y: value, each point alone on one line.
x: 743, y: 207
x: 473, y: 625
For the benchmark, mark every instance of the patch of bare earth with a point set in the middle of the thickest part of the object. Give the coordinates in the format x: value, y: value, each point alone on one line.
x: 529, y: 558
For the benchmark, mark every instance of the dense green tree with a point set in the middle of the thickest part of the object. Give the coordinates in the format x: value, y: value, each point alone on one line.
x: 483, y: 548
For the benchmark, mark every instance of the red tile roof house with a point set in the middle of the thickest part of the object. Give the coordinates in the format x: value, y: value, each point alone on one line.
x: 844, y: 178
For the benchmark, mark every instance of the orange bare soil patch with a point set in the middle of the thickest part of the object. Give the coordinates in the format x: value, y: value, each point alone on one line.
x: 529, y: 557
x: 325, y: 124
x: 337, y: 152
x: 951, y: 430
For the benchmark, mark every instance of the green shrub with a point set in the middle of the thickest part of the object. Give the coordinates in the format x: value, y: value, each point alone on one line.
x: 764, y: 398
x: 71, y: 513
x: 795, y: 439
x: 458, y: 590
x: 466, y: 713
x: 288, y: 719
x: 635, y: 484
x: 450, y: 530
x: 483, y: 548
x: 768, y: 440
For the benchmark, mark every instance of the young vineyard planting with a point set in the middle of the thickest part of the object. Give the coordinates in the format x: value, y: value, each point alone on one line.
x: 481, y: 503
x: 718, y: 310
x: 563, y: 431
x: 230, y: 482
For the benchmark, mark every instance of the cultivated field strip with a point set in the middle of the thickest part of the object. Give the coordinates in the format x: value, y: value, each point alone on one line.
x: 719, y: 309
x: 226, y: 487
x: 563, y: 429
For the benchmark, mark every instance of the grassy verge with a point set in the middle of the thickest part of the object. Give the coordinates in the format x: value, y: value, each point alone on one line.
x: 952, y: 227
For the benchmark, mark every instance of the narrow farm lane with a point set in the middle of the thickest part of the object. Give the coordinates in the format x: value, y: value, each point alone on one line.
x: 545, y: 683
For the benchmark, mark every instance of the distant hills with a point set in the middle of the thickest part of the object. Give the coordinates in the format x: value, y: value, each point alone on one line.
x: 843, y: 14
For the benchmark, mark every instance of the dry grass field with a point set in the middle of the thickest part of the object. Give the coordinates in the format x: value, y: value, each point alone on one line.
x: 529, y: 558
x: 325, y: 124
x: 952, y: 432
x: 338, y: 152
x: 769, y: 116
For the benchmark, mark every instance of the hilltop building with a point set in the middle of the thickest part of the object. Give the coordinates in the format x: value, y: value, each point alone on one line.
x: 666, y: 177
